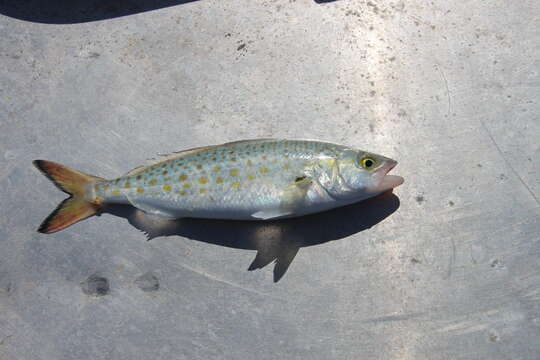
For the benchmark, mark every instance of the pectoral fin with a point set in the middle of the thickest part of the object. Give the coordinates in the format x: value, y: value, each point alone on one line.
x: 293, y: 197
x: 295, y: 193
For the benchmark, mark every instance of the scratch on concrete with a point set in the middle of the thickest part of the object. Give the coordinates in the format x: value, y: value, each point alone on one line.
x: 2, y: 342
x: 116, y: 134
x: 223, y: 281
x: 438, y: 67
x: 508, y: 163
x: 465, y: 327
x: 452, y: 258
x: 391, y: 318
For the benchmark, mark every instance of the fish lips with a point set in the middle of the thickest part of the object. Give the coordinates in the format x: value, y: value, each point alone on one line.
x: 384, y: 181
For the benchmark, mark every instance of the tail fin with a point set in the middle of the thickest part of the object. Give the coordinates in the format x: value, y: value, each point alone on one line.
x: 76, y: 207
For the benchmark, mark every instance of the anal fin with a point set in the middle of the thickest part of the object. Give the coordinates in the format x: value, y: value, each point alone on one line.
x: 152, y: 209
x: 271, y: 214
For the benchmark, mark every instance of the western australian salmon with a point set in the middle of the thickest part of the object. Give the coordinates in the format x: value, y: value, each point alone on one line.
x: 245, y: 180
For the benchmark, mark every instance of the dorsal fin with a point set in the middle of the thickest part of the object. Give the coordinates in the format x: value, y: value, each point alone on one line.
x: 180, y: 154
x: 136, y: 170
x: 166, y: 157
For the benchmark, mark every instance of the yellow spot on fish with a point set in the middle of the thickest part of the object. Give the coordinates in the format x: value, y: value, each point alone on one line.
x: 127, y: 185
x: 233, y: 172
x: 202, y: 191
x: 140, y: 190
x: 216, y: 169
x: 219, y: 180
x: 286, y: 166
x: 264, y: 170
x: 251, y: 177
x: 264, y: 158
x: 235, y: 184
x: 115, y: 192
x: 199, y: 166
x: 203, y: 180
x: 182, y: 177
x: 186, y: 186
x: 152, y: 182
x: 167, y: 187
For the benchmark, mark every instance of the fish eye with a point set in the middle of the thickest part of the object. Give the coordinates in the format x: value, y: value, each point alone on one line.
x: 367, y: 163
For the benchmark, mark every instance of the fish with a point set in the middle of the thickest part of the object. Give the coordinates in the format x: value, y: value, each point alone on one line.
x: 261, y: 179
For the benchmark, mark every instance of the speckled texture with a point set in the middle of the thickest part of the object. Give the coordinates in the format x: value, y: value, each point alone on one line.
x: 451, y: 89
x: 248, y: 180
x: 245, y: 174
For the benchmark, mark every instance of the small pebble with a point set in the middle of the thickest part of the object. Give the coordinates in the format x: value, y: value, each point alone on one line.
x: 5, y: 284
x: 493, y: 337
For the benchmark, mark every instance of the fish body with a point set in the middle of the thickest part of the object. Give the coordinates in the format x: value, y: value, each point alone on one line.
x: 245, y: 180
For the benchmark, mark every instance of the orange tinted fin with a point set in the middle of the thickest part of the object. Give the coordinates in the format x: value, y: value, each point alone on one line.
x: 76, y: 207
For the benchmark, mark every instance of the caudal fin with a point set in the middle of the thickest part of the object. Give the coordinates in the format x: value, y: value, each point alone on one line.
x: 76, y: 207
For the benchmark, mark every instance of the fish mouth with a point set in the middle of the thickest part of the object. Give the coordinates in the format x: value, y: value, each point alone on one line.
x: 388, y: 181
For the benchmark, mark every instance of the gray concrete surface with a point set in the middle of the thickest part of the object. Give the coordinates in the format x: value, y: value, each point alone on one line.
x: 450, y: 271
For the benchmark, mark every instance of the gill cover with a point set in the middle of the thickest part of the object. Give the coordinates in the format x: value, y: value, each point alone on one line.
x: 356, y: 175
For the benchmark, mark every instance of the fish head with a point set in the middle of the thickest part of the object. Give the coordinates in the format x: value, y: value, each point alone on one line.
x: 358, y: 175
